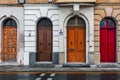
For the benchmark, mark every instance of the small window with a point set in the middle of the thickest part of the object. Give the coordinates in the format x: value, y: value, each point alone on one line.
x: 9, y: 22
x: 103, y: 23
x: 107, y: 23
x: 44, y: 22
x: 111, y: 23
x: 76, y: 21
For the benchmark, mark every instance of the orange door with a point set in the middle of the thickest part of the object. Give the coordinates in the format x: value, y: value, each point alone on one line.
x: 76, y: 44
x: 9, y: 51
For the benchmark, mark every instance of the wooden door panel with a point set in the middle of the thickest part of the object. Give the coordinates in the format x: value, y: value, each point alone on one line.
x: 44, y: 47
x: 71, y: 38
x: 71, y: 57
x: 76, y: 44
x: 103, y: 45
x: 81, y: 56
x: 49, y: 39
x: 40, y: 40
x: 9, y: 43
x: 111, y: 45
x: 80, y: 39
x: 40, y: 45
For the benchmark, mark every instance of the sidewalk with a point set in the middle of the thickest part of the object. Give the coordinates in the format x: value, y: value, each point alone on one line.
x: 55, y: 69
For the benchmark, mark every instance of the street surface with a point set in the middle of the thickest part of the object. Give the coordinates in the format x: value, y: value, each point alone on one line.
x: 59, y: 76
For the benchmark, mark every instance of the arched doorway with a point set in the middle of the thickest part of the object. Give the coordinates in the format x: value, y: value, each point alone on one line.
x: 76, y: 40
x: 9, y: 40
x: 44, y: 40
x: 108, y: 40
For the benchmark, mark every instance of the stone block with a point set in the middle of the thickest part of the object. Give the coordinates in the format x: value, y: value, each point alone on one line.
x: 97, y: 48
x: 55, y: 57
x: 30, y: 27
x: 55, y: 49
x: 97, y: 27
x: 37, y: 1
x: 30, y: 39
x: 8, y: 1
x: 118, y: 18
x: 90, y: 58
x: 55, y: 43
x: 96, y: 44
x: 116, y: 14
x: 96, y: 58
x: 96, y: 32
x: 100, y: 12
x: 61, y: 58
x: 96, y: 39
x: 96, y: 22
x: 118, y: 57
x: 30, y: 49
x: 108, y: 1
x: 26, y: 58
x: 98, y: 17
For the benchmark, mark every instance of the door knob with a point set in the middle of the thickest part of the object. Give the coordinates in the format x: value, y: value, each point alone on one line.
x: 80, y: 42
x: 49, y: 44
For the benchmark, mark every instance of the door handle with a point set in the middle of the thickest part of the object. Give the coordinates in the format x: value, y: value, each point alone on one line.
x: 70, y: 49
x: 80, y: 42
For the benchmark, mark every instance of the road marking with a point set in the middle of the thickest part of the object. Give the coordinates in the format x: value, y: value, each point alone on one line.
x: 52, y: 75
x: 43, y: 74
x: 49, y: 78
x: 38, y: 78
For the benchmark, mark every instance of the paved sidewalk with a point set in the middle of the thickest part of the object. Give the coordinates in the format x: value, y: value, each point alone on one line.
x: 56, y: 69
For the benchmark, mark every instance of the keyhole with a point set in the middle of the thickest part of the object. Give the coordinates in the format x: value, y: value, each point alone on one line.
x: 80, y: 43
x: 40, y: 43
x: 49, y: 44
x: 71, y: 43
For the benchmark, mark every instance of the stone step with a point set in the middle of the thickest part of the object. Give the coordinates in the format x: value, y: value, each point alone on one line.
x: 76, y: 65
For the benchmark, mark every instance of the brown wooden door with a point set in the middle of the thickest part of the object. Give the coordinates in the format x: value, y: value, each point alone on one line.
x: 44, y: 44
x: 9, y: 49
x: 76, y: 44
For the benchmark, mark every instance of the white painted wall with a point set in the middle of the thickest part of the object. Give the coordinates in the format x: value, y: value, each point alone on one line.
x: 17, y: 14
x: 59, y: 16
x: 33, y: 13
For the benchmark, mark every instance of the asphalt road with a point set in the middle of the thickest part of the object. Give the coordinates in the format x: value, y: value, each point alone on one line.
x: 60, y: 76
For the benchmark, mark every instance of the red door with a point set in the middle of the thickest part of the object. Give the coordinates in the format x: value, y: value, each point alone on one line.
x: 108, y: 40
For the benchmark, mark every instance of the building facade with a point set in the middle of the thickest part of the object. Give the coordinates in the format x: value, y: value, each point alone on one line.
x: 45, y: 33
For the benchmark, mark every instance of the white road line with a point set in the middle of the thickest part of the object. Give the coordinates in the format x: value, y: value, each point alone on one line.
x: 52, y: 75
x: 38, y: 78
x: 49, y: 78
x: 43, y: 74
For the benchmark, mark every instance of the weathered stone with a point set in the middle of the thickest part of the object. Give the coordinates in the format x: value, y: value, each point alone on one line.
x: 100, y: 12
x: 98, y: 17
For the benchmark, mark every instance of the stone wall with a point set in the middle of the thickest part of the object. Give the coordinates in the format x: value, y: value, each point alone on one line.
x: 101, y: 11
